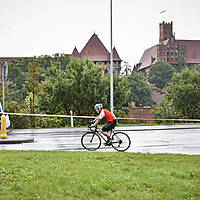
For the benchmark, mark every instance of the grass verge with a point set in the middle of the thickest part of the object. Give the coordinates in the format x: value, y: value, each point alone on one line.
x: 59, y: 175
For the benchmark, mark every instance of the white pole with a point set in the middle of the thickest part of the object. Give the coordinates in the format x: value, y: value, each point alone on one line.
x: 3, y: 97
x: 111, y: 61
x: 72, y: 120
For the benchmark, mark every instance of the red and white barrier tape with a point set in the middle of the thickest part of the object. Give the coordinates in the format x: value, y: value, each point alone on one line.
x: 92, y: 117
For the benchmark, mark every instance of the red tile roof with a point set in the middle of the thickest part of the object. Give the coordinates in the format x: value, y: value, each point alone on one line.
x: 192, y: 50
x: 9, y: 59
x: 75, y: 53
x: 96, y: 51
x: 149, y: 57
x: 116, y: 55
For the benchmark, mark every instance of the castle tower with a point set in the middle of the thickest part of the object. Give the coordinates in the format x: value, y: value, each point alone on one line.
x: 165, y: 31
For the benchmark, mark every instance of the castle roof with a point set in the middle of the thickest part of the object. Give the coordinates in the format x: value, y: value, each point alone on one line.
x: 115, y: 54
x: 9, y: 59
x: 149, y: 57
x: 192, y: 50
x: 96, y: 51
x: 75, y: 53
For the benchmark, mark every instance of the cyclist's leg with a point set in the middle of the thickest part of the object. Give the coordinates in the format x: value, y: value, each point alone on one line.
x: 105, y: 130
x: 114, y: 123
x: 106, y: 134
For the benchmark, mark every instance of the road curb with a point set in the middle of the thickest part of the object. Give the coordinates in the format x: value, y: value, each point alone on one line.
x: 15, y: 140
x: 157, y: 129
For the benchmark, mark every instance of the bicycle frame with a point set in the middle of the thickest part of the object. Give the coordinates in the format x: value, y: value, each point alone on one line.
x: 100, y: 134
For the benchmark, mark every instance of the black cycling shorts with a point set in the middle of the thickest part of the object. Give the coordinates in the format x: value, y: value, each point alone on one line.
x: 109, y: 125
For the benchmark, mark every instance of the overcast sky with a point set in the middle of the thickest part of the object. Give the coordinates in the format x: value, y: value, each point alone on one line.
x: 46, y: 27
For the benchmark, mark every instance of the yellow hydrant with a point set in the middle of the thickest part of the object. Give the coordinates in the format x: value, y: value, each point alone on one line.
x: 3, y: 126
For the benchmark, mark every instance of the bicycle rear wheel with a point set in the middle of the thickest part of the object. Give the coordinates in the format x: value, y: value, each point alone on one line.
x: 120, y: 141
x: 91, y: 141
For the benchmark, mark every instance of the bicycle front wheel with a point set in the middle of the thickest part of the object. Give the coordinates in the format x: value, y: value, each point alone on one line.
x: 120, y: 141
x: 91, y: 141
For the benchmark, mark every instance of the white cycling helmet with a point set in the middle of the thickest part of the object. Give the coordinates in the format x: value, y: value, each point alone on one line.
x: 98, y: 106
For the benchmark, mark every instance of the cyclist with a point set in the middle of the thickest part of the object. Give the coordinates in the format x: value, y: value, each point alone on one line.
x: 110, y: 119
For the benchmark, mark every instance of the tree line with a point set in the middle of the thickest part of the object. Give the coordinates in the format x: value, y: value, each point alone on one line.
x: 58, y: 84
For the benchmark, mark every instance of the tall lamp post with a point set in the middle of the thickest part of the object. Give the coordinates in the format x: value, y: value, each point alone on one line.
x: 111, y: 62
x: 4, y: 74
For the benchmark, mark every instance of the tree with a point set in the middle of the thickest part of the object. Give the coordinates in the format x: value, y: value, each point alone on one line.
x: 182, y: 97
x: 181, y: 64
x: 16, y: 77
x: 120, y: 90
x: 18, y: 68
x: 79, y: 87
x: 47, y: 60
x: 197, y: 67
x: 141, y: 90
x: 33, y: 83
x: 161, y: 73
x: 126, y: 69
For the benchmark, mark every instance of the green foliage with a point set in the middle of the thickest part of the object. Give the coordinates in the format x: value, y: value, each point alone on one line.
x: 141, y: 90
x: 78, y: 87
x: 181, y: 65
x: 18, y: 68
x: 19, y: 98
x: 33, y: 84
x: 161, y: 73
x: 16, y: 78
x: 121, y: 92
x: 196, y: 67
x: 47, y: 60
x: 16, y: 107
x: 182, y: 97
x: 18, y: 121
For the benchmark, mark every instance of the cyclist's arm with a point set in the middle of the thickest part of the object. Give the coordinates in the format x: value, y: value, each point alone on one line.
x: 97, y: 121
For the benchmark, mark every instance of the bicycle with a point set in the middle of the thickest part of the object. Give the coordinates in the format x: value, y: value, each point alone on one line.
x: 92, y: 140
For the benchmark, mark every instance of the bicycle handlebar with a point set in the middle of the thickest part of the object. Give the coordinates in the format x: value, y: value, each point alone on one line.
x: 92, y: 128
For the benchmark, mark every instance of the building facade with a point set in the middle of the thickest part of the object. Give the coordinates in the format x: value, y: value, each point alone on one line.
x: 169, y: 49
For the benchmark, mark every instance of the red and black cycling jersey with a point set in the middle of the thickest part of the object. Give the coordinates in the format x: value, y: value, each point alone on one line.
x: 107, y: 115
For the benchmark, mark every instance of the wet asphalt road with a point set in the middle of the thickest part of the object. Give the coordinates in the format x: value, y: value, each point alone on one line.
x: 144, y: 140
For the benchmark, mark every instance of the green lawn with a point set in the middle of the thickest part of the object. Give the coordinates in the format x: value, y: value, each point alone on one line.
x: 59, y: 175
